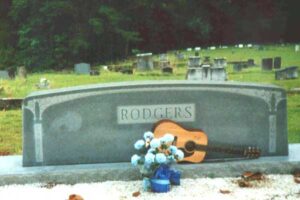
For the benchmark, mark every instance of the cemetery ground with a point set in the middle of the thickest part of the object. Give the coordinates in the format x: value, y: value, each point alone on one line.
x: 11, y: 123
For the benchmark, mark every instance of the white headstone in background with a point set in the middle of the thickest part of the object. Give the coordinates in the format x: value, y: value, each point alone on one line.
x: 4, y: 74
x: 189, y: 49
x: 249, y: 45
x: 82, y: 68
x: 297, y: 47
x: 197, y: 48
x: 240, y: 45
x: 224, y: 47
x: 212, y: 48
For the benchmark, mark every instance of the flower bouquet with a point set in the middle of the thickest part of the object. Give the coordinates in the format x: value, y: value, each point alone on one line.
x: 156, y: 155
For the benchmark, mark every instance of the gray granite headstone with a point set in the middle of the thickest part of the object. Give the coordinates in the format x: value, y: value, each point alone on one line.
x: 206, y: 73
x: 144, y: 62
x: 220, y: 62
x: 267, y: 64
x: 82, y: 68
x: 167, y: 70
x: 277, y: 63
x: 287, y: 73
x: 250, y: 62
x: 100, y: 123
x: 4, y: 74
x: 194, y: 61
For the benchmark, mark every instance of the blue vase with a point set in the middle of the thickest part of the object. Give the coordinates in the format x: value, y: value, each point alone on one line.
x: 160, y: 185
x: 175, y: 177
x: 146, y: 184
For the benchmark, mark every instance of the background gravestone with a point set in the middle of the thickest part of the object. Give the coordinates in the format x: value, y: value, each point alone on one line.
x: 167, y: 70
x: 277, y: 63
x: 194, y: 61
x: 250, y: 62
x: 4, y: 74
x: 100, y: 123
x: 82, y: 68
x: 287, y: 73
x: 144, y: 61
x: 267, y: 64
x: 22, y: 72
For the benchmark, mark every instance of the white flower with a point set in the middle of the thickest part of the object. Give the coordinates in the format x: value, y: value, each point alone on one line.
x: 148, y: 135
x: 139, y: 144
x: 179, y: 154
x: 135, y: 159
x: 167, y: 138
x: 151, y: 150
x: 149, y: 158
x: 173, y: 149
x: 155, y: 143
x: 160, y: 158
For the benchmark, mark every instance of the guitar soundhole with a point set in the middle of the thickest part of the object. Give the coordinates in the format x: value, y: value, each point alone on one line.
x: 190, y: 146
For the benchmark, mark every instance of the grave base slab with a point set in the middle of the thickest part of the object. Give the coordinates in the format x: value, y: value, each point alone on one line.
x: 12, y: 171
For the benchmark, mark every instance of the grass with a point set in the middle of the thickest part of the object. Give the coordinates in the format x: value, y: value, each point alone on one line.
x: 10, y: 121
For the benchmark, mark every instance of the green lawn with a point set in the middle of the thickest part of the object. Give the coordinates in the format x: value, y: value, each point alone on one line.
x: 10, y: 121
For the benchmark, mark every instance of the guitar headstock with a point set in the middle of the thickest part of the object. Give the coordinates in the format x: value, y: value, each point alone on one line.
x: 252, y: 152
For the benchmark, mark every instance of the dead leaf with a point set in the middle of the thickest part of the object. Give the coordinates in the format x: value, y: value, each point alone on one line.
x: 225, y: 191
x: 253, y: 176
x: 136, y: 194
x: 244, y: 184
x: 4, y: 153
x: 75, y: 197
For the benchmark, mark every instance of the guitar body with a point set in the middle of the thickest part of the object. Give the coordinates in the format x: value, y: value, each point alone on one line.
x: 183, y: 136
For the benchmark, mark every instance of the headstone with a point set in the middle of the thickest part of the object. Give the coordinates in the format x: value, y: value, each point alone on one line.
x: 180, y: 56
x: 197, y: 48
x: 105, y: 68
x: 43, y: 84
x: 127, y: 71
x: 297, y: 47
x: 218, y: 74
x: 212, y: 48
x: 220, y: 62
x: 189, y: 49
x: 163, y: 57
x: 11, y: 72
x: 94, y: 73
x: 250, y: 62
x: 164, y: 64
x: 10, y: 103
x: 99, y: 123
x: 224, y: 47
x: 237, y: 67
x: 194, y: 61
x: 249, y: 45
x: 167, y: 70
x: 82, y: 68
x: 4, y: 74
x: 22, y: 72
x: 277, y: 63
x: 144, y: 62
x: 287, y: 73
x: 267, y: 64
x: 206, y: 73
x: 240, y: 45
x: 206, y: 59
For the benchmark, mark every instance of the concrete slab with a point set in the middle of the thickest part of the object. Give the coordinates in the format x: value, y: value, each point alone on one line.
x: 12, y: 172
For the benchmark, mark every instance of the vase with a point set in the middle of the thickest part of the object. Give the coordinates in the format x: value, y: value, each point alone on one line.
x: 160, y: 185
x: 146, y: 184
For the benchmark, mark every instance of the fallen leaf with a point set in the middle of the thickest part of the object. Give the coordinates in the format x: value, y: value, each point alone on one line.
x: 75, y: 197
x: 244, y: 183
x: 225, y: 191
x: 136, y: 194
x: 4, y: 153
x: 253, y: 176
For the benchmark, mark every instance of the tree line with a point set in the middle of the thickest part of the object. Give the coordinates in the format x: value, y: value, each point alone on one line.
x: 55, y: 34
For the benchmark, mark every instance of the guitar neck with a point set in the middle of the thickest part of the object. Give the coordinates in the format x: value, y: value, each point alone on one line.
x: 221, y: 149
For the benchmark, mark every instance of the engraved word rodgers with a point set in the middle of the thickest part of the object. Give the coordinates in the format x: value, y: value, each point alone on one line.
x: 151, y: 113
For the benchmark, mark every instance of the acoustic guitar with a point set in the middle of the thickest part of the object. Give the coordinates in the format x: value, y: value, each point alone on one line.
x: 194, y: 143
